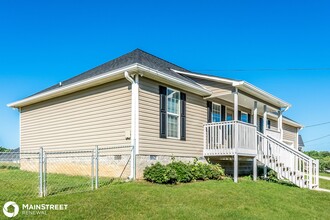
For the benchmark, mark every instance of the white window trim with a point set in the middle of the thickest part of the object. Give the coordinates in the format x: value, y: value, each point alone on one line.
x: 170, y: 113
x: 217, y: 104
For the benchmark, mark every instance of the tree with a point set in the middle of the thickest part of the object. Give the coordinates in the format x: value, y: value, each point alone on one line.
x: 323, y: 157
x: 2, y: 149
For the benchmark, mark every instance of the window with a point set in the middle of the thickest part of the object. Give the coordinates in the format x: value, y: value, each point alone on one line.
x: 244, y: 117
x: 173, y: 113
x: 153, y: 157
x: 268, y: 123
x: 229, y: 116
x: 216, y: 113
x: 261, y: 124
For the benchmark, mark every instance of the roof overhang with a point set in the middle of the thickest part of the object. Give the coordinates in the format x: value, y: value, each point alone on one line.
x: 243, y: 86
x: 261, y: 94
x: 108, y: 77
x: 286, y: 120
x: 173, y: 81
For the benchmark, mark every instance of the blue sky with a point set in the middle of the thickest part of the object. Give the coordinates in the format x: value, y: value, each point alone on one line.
x: 45, y: 42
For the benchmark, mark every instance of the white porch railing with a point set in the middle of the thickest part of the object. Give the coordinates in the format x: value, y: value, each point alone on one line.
x: 220, y: 138
x: 273, y: 134
x: 239, y: 138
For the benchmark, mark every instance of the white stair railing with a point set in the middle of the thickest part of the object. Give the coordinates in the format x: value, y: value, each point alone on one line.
x: 289, y: 163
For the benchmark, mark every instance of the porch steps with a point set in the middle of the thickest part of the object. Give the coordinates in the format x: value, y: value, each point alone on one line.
x: 288, y: 163
x: 239, y: 139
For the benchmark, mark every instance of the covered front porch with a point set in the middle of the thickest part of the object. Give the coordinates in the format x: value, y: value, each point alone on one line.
x: 234, y: 121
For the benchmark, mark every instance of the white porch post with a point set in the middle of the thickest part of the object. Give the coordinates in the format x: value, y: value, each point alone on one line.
x: 255, y: 113
x: 236, y: 135
x: 236, y: 104
x: 255, y: 123
x: 280, y: 124
x: 255, y: 169
x: 235, y: 168
x: 265, y: 119
x: 264, y: 131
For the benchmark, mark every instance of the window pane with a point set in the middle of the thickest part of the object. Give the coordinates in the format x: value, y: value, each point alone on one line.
x: 173, y: 101
x: 172, y: 126
x: 244, y: 117
x: 229, y: 117
x: 216, y: 113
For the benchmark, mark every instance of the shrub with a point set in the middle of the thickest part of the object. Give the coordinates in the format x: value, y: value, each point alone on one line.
x: 205, y: 171
x: 159, y: 173
x: 180, y: 172
x: 272, y: 177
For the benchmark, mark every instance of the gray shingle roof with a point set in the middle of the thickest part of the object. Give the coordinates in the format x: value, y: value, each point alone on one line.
x: 300, y: 141
x: 136, y: 56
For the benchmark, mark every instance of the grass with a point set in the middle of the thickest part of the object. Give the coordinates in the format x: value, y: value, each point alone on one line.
x: 199, y: 200
x: 325, y: 184
x: 23, y: 184
x: 142, y: 200
x: 325, y: 174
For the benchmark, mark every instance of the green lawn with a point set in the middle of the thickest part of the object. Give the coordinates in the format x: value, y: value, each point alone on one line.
x: 200, y: 200
x: 325, y: 174
x: 142, y: 200
x: 325, y: 184
x: 23, y: 184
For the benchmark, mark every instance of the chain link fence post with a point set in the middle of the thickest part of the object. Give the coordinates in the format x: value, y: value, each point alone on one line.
x: 92, y: 170
x: 45, y: 173
x: 41, y: 155
x: 96, y: 167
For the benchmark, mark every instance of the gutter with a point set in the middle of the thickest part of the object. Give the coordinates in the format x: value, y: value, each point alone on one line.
x: 45, y: 95
x: 97, y: 79
x: 200, y: 89
x: 237, y: 84
x: 261, y: 92
x: 134, y: 120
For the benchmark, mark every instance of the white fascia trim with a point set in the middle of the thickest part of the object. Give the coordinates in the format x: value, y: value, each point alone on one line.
x: 285, y: 120
x: 70, y: 86
x: 235, y: 83
x: 213, y: 78
x: 261, y: 92
x: 294, y: 124
x: 104, y: 76
x: 180, y: 81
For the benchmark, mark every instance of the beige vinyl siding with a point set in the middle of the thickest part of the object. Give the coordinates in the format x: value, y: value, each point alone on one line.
x: 217, y: 88
x: 290, y: 134
x: 150, y: 142
x: 96, y: 116
x: 273, y: 125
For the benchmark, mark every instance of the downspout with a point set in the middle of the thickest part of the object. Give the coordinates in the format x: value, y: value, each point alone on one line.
x: 134, y: 120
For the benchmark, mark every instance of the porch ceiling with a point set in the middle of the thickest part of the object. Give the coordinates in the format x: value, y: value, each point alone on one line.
x: 248, y: 102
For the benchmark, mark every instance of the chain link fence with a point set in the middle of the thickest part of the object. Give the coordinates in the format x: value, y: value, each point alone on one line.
x: 19, y: 176
x: 54, y: 172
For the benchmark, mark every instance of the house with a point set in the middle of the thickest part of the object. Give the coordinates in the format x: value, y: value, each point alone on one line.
x: 164, y: 110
